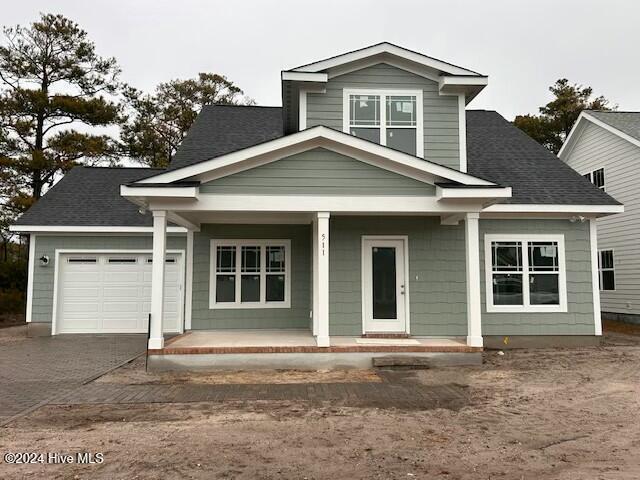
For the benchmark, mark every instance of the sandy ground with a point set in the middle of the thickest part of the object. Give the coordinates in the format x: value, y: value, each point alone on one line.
x: 545, y: 414
x: 134, y: 373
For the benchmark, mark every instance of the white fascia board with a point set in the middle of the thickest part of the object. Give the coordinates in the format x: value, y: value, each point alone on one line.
x: 455, y: 193
x: 88, y: 229
x: 391, y: 50
x: 323, y: 203
x: 541, y: 208
x: 171, y: 192
x: 463, y: 81
x: 318, y: 132
x: 305, y: 76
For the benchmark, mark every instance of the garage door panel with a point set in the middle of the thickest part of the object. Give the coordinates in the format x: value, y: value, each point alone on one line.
x: 80, y: 277
x: 71, y: 293
x: 122, y: 292
x: 131, y: 308
x: 119, y: 278
x: 113, y: 297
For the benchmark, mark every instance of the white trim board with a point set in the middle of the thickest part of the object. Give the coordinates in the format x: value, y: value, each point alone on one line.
x: 318, y: 136
x: 63, y: 251
x: 595, y: 276
x: 552, y: 208
x: 526, y: 306
x: 89, y: 229
x: 387, y: 48
x: 30, y: 273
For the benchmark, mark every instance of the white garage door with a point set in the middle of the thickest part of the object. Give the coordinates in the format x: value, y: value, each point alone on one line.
x: 111, y: 293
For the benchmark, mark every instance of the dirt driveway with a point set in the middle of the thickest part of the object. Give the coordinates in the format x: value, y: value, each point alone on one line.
x: 546, y: 414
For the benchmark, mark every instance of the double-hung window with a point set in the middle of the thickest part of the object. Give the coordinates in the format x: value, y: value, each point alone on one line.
x: 390, y: 118
x: 525, y: 273
x: 597, y: 178
x: 606, y: 270
x: 250, y: 274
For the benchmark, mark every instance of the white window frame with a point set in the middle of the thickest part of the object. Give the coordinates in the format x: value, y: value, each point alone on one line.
x: 383, y: 94
x: 526, y: 307
x: 612, y: 269
x: 589, y: 176
x: 238, y: 243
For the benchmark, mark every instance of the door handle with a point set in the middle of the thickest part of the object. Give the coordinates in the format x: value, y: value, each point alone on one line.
x: 401, y: 289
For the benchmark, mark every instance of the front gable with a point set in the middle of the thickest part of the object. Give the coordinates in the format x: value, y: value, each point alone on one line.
x: 317, y: 172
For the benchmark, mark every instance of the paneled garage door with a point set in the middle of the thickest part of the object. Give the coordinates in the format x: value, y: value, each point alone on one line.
x: 111, y: 293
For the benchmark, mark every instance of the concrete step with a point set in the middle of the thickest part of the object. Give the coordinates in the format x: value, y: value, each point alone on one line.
x: 404, y: 361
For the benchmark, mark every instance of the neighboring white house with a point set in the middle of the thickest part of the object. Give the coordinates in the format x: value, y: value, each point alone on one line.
x: 605, y: 148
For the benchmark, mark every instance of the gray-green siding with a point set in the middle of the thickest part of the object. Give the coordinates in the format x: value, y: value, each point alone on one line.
x: 437, y: 284
x: 440, y: 112
x: 295, y: 317
x: 47, y: 245
x: 318, y: 172
x: 436, y: 273
x: 578, y: 320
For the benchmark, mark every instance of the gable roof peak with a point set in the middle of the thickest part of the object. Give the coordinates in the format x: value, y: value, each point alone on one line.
x: 389, y: 48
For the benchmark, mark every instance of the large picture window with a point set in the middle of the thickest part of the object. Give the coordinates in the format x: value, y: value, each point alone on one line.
x: 391, y: 118
x: 525, y: 273
x: 250, y: 274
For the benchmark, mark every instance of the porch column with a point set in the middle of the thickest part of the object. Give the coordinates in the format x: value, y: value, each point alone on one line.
x: 156, y: 339
x: 472, y: 248
x: 314, y: 276
x: 321, y: 279
x: 188, y: 291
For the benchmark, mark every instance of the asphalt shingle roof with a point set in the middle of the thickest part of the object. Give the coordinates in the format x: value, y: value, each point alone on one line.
x: 504, y: 154
x: 496, y: 151
x: 221, y: 129
x: 626, y: 122
x: 90, y: 196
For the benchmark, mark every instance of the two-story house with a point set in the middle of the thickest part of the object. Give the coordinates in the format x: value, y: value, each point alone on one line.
x: 605, y: 148
x: 372, y: 212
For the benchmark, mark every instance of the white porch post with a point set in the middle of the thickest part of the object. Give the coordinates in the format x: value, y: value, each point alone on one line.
x: 156, y: 339
x: 472, y: 248
x: 321, y: 279
x: 314, y: 275
x: 188, y: 293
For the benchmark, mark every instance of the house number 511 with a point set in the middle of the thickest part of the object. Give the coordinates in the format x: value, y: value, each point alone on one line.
x: 323, y: 238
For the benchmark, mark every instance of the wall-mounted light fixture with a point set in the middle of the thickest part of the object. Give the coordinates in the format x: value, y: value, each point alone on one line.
x: 44, y: 260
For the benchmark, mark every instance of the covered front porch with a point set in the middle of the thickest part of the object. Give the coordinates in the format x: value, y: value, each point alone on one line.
x: 402, y: 279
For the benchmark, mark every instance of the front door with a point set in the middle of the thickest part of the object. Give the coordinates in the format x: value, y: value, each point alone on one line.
x: 384, y: 285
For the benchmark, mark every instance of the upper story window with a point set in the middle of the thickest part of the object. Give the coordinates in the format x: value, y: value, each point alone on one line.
x: 596, y: 177
x: 391, y: 118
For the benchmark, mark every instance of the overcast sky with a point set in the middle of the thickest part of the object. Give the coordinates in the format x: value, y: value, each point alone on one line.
x: 522, y: 46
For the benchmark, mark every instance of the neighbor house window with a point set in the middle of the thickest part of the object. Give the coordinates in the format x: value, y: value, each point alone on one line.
x: 250, y: 274
x: 596, y: 177
x: 606, y: 270
x: 525, y: 273
x: 389, y: 118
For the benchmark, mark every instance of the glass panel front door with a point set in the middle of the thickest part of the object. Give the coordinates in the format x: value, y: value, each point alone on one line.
x: 384, y: 285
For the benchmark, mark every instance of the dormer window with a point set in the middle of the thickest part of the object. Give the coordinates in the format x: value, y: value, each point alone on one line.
x: 390, y: 118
